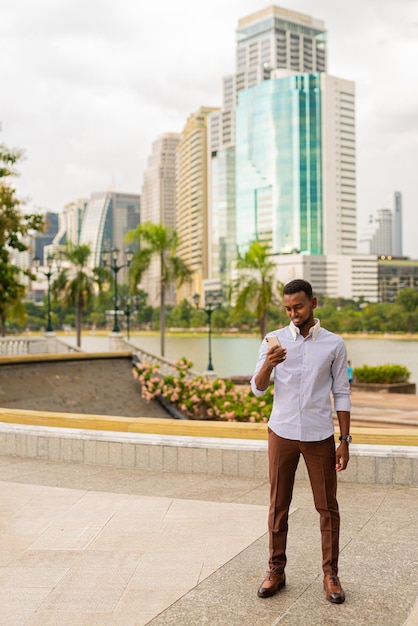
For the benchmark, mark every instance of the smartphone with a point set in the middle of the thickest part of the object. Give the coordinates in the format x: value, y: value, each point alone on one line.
x: 273, y: 340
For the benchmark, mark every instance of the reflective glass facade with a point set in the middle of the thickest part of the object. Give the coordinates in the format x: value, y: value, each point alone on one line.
x: 223, y: 248
x: 279, y: 165
x: 107, y: 220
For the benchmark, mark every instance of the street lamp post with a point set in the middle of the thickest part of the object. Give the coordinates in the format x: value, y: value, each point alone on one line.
x: 48, y: 274
x: 110, y: 258
x: 131, y: 306
x: 213, y: 300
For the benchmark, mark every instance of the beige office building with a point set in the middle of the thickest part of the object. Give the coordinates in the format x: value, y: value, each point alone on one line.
x: 192, y: 204
x: 277, y: 38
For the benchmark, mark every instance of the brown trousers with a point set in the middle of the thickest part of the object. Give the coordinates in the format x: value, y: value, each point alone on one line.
x: 319, y: 457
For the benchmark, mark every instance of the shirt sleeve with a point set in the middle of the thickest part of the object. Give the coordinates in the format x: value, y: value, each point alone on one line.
x: 340, y: 383
x: 261, y: 358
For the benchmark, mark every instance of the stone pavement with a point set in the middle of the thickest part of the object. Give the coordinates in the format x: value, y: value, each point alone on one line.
x: 88, y: 545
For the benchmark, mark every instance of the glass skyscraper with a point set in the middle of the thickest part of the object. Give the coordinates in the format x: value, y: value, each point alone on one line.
x: 293, y: 130
x: 108, y: 218
x: 278, y: 149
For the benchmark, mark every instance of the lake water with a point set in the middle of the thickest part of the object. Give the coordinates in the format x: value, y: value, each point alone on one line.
x: 235, y: 356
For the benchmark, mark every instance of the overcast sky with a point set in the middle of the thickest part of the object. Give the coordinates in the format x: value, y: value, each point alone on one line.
x: 87, y: 85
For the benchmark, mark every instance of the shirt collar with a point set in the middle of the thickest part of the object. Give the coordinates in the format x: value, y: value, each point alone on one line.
x: 314, y: 330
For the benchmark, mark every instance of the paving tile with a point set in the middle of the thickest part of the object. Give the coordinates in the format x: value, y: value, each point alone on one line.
x: 82, y: 600
x: 18, y: 604
x: 20, y: 576
x: 121, y: 547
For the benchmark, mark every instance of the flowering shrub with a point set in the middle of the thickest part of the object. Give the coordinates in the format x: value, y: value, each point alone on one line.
x: 201, y: 398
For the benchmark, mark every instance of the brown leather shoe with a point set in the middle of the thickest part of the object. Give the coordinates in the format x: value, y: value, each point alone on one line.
x: 333, y: 590
x: 274, y: 580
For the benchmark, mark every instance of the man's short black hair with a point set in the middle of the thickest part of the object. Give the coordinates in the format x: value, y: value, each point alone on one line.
x: 297, y: 285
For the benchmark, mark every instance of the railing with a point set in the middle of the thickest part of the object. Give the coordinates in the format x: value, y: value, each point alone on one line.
x: 18, y: 346
x: 166, y: 367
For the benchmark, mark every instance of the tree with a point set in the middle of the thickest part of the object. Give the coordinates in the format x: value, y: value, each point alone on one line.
x: 74, y: 285
x: 155, y: 240
x: 407, y: 299
x: 14, y: 227
x: 256, y: 288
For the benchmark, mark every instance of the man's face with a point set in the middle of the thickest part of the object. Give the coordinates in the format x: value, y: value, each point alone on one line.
x: 299, y: 308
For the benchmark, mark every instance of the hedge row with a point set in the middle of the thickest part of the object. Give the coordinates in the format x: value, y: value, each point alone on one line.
x: 382, y: 374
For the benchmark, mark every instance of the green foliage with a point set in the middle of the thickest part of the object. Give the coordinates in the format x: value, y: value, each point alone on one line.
x: 157, y: 241
x: 15, y: 226
x: 382, y: 374
x: 74, y: 286
x: 201, y: 398
x: 180, y: 316
x: 256, y: 289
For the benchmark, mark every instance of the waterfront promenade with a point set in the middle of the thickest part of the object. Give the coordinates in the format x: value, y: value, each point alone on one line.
x: 91, y: 537
x: 90, y: 545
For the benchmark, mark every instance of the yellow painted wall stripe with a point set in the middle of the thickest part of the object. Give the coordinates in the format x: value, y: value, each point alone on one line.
x: 66, y: 356
x: 189, y: 428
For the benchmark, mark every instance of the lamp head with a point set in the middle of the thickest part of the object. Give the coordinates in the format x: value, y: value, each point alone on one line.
x: 105, y: 257
x: 129, y: 256
x: 214, y: 299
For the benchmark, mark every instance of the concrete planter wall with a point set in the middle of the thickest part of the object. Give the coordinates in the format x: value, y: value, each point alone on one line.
x: 388, y: 387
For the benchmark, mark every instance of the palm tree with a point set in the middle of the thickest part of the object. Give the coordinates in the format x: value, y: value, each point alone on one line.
x: 256, y: 288
x: 158, y: 241
x: 74, y: 286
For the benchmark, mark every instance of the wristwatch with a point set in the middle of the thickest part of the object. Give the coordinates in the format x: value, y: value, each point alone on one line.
x: 347, y: 438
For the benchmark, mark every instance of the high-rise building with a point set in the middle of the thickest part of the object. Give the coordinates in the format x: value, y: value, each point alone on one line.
x: 275, y: 38
x: 267, y: 40
x: 221, y: 199
x: 295, y: 165
x: 192, y: 205
x: 381, y: 242
x: 397, y: 226
x: 69, y: 228
x: 41, y: 240
x: 158, y: 205
x: 282, y: 152
x: 109, y: 216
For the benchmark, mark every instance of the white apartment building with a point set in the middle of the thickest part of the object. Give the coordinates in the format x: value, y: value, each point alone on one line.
x: 397, y: 239
x: 158, y: 205
x: 339, y: 185
x: 334, y: 275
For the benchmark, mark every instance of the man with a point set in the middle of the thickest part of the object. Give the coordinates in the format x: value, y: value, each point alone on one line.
x: 309, y: 363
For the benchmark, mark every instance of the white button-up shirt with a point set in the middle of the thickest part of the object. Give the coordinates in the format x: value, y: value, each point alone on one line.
x: 314, y: 367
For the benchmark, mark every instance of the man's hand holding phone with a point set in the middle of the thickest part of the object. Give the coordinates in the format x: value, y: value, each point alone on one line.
x: 276, y: 353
